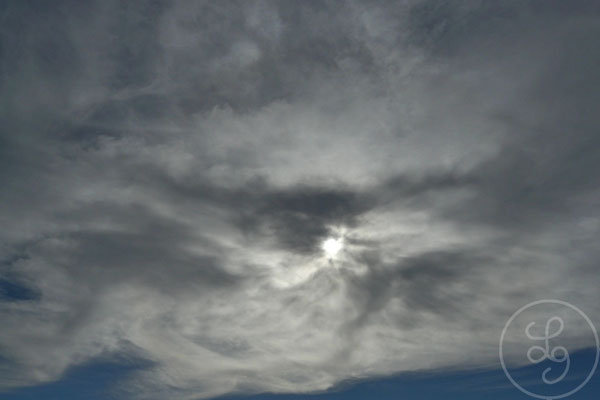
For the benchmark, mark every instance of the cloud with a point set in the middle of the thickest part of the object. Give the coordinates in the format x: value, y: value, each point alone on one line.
x: 169, y: 171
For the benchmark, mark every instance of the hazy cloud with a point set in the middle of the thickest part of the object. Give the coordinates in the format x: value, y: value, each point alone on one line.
x: 170, y: 169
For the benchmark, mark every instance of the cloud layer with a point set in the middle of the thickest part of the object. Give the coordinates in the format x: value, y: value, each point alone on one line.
x: 170, y: 170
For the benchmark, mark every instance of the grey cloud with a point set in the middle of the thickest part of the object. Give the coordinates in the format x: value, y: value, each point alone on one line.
x: 169, y: 171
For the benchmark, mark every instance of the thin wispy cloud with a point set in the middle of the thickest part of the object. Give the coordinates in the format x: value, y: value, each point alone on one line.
x: 170, y: 171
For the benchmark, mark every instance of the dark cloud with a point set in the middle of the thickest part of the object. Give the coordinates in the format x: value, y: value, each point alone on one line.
x: 170, y: 170
x: 300, y: 218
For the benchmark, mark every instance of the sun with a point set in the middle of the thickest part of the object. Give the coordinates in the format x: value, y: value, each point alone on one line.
x: 332, y: 246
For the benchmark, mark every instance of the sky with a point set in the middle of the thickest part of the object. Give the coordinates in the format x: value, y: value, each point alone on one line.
x: 297, y: 199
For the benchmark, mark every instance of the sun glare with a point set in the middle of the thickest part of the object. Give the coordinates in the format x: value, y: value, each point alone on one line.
x: 332, y: 246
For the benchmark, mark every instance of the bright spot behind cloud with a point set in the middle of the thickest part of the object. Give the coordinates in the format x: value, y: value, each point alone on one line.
x: 332, y: 246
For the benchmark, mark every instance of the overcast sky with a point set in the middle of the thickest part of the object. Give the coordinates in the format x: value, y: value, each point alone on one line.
x: 170, y: 171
